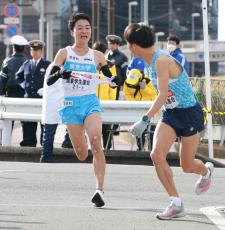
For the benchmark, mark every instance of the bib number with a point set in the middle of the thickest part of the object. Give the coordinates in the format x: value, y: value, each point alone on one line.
x: 171, y: 101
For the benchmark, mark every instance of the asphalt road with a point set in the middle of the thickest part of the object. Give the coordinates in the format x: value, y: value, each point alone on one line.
x: 57, y: 196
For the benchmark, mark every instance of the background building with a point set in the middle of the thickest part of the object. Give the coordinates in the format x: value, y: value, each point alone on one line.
x: 167, y: 16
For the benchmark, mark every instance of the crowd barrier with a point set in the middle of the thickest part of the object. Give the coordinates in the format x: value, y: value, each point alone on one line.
x: 24, y: 109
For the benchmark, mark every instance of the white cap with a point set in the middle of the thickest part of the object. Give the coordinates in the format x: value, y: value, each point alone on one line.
x: 19, y: 40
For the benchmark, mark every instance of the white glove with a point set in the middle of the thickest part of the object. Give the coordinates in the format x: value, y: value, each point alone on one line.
x: 139, y: 127
x: 110, y: 81
x: 40, y: 92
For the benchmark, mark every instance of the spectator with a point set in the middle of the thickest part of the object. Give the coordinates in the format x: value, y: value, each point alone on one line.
x: 9, y: 87
x: 52, y: 101
x: 138, y: 87
x: 106, y: 92
x: 173, y: 46
x: 30, y: 76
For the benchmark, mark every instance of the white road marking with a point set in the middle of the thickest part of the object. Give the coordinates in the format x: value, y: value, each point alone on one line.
x: 11, y: 170
x: 213, y: 214
x: 46, y: 205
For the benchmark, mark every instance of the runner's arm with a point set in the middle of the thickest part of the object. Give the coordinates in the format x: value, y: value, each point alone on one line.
x: 162, y: 69
x: 56, y: 72
x: 104, y: 68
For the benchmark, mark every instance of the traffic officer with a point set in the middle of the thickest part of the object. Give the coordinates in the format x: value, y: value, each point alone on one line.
x: 8, y: 84
x: 118, y: 58
x: 9, y: 87
x: 31, y: 77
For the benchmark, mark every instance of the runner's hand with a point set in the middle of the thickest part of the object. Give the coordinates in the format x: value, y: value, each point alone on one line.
x: 139, y: 127
x: 64, y: 74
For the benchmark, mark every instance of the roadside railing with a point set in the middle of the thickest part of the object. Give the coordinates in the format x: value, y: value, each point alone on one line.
x: 121, y: 112
x: 22, y: 109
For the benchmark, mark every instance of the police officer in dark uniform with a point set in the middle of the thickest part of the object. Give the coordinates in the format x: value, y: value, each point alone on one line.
x: 118, y: 58
x: 8, y: 84
x: 115, y: 56
x: 31, y: 77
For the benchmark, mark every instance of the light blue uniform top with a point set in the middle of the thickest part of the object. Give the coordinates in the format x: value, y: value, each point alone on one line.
x: 180, y: 94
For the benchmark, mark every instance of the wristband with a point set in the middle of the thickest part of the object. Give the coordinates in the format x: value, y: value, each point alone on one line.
x: 146, y: 119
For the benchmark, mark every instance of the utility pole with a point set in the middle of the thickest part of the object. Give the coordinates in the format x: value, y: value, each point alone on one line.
x: 21, y: 16
x: 49, y: 32
x: 146, y: 12
x: 170, y: 16
x: 42, y: 21
x: 95, y: 20
x: 111, y: 17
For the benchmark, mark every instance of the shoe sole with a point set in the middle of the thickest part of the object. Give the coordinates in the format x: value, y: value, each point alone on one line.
x: 171, y: 217
x: 97, y: 200
x: 211, y: 169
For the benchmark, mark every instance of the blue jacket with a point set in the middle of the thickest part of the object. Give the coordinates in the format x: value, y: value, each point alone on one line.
x: 178, y: 55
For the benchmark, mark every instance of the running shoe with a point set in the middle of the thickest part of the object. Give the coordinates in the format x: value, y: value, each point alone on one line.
x: 172, y: 211
x: 97, y: 199
x: 202, y: 184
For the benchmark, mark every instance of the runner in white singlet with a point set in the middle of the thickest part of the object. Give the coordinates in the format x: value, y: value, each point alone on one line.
x: 76, y: 65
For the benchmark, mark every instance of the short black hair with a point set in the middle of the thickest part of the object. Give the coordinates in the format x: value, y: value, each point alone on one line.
x: 139, y: 34
x: 100, y: 46
x: 174, y: 38
x: 19, y: 49
x: 75, y: 17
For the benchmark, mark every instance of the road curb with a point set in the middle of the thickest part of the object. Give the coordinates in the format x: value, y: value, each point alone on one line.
x: 62, y: 155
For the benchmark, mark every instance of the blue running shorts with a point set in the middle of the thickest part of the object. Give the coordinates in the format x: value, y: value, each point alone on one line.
x: 185, y: 121
x: 76, y: 109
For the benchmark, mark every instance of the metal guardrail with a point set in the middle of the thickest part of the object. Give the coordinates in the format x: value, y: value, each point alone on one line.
x: 23, y: 109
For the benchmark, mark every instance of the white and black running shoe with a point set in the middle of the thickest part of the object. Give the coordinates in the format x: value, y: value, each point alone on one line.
x: 97, y: 199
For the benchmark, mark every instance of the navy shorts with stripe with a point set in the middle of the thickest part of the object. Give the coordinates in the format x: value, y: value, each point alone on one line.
x: 185, y: 121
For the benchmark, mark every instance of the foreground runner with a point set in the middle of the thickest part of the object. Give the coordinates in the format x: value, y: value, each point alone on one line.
x: 81, y: 111
x: 182, y: 117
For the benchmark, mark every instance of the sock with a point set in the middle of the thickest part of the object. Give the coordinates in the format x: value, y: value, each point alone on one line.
x: 175, y: 200
x: 100, y: 190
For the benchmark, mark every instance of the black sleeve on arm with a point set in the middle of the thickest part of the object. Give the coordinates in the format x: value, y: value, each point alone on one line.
x: 54, y: 75
x: 3, y: 82
x: 3, y: 79
x: 105, y: 70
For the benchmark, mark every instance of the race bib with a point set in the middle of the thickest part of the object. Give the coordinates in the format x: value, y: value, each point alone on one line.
x: 82, y: 81
x: 171, y: 101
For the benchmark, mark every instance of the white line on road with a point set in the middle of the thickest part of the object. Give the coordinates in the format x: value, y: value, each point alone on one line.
x: 46, y: 205
x: 213, y: 214
x: 11, y: 170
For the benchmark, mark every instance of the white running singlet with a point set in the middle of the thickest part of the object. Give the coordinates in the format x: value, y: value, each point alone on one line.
x: 84, y: 79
